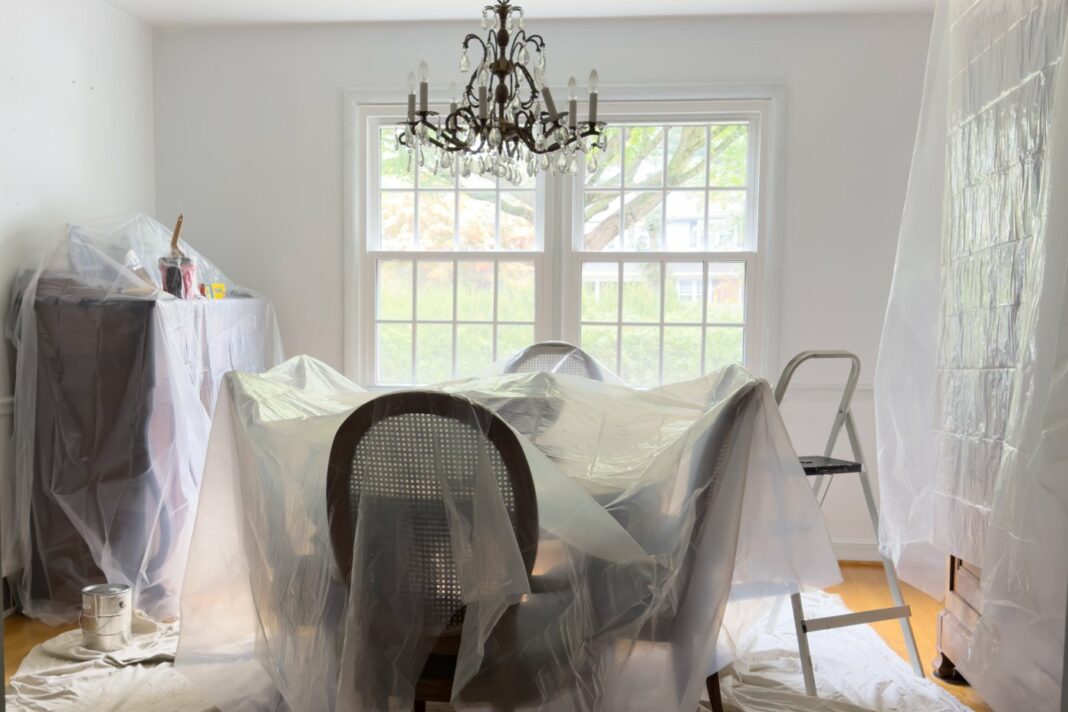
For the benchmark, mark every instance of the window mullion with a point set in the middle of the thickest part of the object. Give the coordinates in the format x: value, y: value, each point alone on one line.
x: 663, y: 297
x: 704, y: 316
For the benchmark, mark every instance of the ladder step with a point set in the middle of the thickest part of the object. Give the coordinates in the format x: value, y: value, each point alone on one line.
x: 879, y: 614
x: 819, y: 465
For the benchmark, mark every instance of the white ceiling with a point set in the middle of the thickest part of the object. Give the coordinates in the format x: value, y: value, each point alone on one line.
x: 228, y: 12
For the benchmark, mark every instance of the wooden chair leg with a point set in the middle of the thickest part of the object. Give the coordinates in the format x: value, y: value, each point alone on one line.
x: 714, y: 697
x: 419, y: 706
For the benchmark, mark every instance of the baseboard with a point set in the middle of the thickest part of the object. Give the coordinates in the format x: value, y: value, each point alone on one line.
x: 855, y: 550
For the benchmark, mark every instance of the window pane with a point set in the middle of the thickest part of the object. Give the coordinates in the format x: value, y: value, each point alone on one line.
x: 437, y: 213
x: 729, y: 152
x: 517, y: 220
x: 683, y: 293
x: 397, y: 221
x: 394, y: 353
x: 641, y: 291
x: 685, y: 220
x: 512, y: 338
x: 644, y: 220
x: 478, y: 215
x: 474, y: 291
x: 726, y: 220
x: 609, y: 166
x: 434, y: 298
x: 686, y: 156
x: 515, y: 291
x: 433, y: 353
x: 429, y: 178
x: 474, y: 348
x: 600, y: 342
x: 602, y: 221
x: 682, y: 353
x: 643, y: 156
x: 640, y: 355
x: 600, y: 291
x: 726, y: 292
x: 723, y: 346
x: 393, y: 161
x: 395, y: 290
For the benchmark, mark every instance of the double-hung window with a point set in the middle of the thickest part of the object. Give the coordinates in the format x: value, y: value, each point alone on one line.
x: 649, y: 258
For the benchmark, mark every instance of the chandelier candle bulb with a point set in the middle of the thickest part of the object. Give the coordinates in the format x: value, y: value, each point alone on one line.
x: 424, y: 90
x: 572, y: 103
x: 411, y: 96
x: 594, y: 82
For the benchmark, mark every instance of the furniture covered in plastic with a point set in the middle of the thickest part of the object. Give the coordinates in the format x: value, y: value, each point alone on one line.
x: 688, y: 502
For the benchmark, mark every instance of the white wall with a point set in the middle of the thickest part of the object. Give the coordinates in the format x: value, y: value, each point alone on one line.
x: 76, y: 135
x: 249, y: 146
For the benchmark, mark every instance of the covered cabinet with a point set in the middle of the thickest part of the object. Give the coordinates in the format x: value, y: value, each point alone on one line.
x: 114, y: 393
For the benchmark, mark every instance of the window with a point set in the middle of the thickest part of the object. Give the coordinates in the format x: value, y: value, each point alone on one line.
x: 648, y: 259
x: 670, y: 207
x: 456, y: 266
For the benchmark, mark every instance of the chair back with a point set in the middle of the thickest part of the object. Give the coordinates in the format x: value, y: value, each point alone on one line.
x: 395, y: 454
x: 555, y: 357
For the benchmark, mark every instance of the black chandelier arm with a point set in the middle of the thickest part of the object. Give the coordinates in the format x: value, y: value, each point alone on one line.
x: 529, y: 102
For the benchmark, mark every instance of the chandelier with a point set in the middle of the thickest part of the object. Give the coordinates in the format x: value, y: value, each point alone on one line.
x: 505, y: 122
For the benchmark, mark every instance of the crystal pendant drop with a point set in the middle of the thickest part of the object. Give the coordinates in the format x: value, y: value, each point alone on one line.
x: 523, y: 56
x: 591, y: 165
x: 494, y: 137
x: 540, y: 64
x: 465, y: 62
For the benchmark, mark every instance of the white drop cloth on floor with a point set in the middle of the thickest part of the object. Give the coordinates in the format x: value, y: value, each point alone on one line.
x: 62, y: 674
x: 855, y: 671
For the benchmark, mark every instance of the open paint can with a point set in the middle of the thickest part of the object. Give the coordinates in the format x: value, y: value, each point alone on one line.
x: 107, y: 616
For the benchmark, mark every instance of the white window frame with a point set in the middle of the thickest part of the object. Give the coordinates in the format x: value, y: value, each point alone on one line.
x: 755, y: 113
x: 558, y: 263
x: 369, y: 119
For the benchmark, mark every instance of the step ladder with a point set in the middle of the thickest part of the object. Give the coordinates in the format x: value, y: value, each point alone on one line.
x: 823, y: 468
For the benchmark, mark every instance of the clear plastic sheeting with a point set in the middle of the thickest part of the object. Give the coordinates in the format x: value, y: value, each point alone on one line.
x: 557, y: 357
x: 538, y: 541
x: 115, y: 384
x: 970, y: 395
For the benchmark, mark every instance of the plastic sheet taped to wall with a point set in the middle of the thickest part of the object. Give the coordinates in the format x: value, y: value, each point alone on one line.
x: 534, y: 540
x: 970, y: 391
x: 115, y: 385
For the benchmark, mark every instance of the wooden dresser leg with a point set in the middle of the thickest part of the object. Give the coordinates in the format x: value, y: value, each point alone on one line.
x: 714, y: 697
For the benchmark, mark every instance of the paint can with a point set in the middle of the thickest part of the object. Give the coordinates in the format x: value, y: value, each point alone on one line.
x: 107, y: 617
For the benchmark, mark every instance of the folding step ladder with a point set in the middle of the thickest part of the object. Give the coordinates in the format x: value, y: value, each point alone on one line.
x: 823, y: 468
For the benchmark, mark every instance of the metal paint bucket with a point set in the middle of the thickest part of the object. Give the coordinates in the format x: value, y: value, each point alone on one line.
x: 107, y: 616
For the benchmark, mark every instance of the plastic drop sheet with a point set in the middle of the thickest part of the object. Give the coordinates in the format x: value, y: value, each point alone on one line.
x: 970, y: 388
x: 651, y: 511
x: 115, y: 384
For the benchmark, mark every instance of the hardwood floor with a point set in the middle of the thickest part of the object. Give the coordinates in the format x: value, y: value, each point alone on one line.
x: 20, y: 635
x: 864, y: 587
